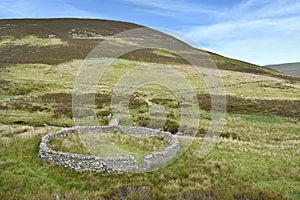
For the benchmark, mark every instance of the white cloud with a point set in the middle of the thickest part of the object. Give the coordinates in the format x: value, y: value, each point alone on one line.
x: 266, y: 8
x: 155, y: 12
x: 264, y: 38
x: 175, y: 6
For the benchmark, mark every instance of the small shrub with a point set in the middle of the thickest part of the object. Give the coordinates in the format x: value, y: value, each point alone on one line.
x: 230, y: 135
x: 63, y: 109
x: 171, y: 126
x: 133, y: 191
x: 143, y: 120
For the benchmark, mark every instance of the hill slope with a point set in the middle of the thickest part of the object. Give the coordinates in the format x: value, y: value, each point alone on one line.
x: 80, y: 37
x: 292, y: 69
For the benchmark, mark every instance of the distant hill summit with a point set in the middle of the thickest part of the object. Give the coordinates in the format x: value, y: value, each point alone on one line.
x: 292, y: 69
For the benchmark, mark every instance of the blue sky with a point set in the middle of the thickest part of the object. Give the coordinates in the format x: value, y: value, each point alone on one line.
x: 258, y: 31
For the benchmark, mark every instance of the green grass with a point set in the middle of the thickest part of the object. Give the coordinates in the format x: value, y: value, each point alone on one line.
x: 236, y: 83
x: 164, y: 52
x: 136, y: 144
x: 264, y: 119
x: 3, y: 97
x: 266, y: 90
x: 71, y: 143
x: 33, y: 118
x: 109, y: 144
x: 31, y: 41
x: 257, y: 165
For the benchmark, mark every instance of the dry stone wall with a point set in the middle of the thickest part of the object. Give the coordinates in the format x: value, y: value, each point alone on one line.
x: 116, y: 164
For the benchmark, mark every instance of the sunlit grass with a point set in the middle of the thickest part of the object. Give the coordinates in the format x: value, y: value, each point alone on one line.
x: 31, y: 41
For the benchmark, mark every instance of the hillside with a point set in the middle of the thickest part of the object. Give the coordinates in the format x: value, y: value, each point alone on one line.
x: 256, y: 157
x: 292, y: 69
x: 79, y: 37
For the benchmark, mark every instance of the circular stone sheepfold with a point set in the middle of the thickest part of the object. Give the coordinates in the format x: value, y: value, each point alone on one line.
x: 115, y: 164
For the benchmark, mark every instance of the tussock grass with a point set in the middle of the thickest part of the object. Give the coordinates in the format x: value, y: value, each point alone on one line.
x: 137, y: 144
x: 109, y: 144
x: 233, y: 168
x: 72, y: 144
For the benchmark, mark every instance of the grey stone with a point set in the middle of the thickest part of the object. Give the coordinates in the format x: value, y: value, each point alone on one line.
x: 118, y: 164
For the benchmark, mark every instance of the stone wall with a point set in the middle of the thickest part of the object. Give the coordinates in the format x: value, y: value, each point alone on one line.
x: 117, y: 164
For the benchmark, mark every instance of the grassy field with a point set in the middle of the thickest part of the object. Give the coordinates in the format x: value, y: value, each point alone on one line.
x: 110, y: 144
x: 257, y: 154
x: 256, y: 157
